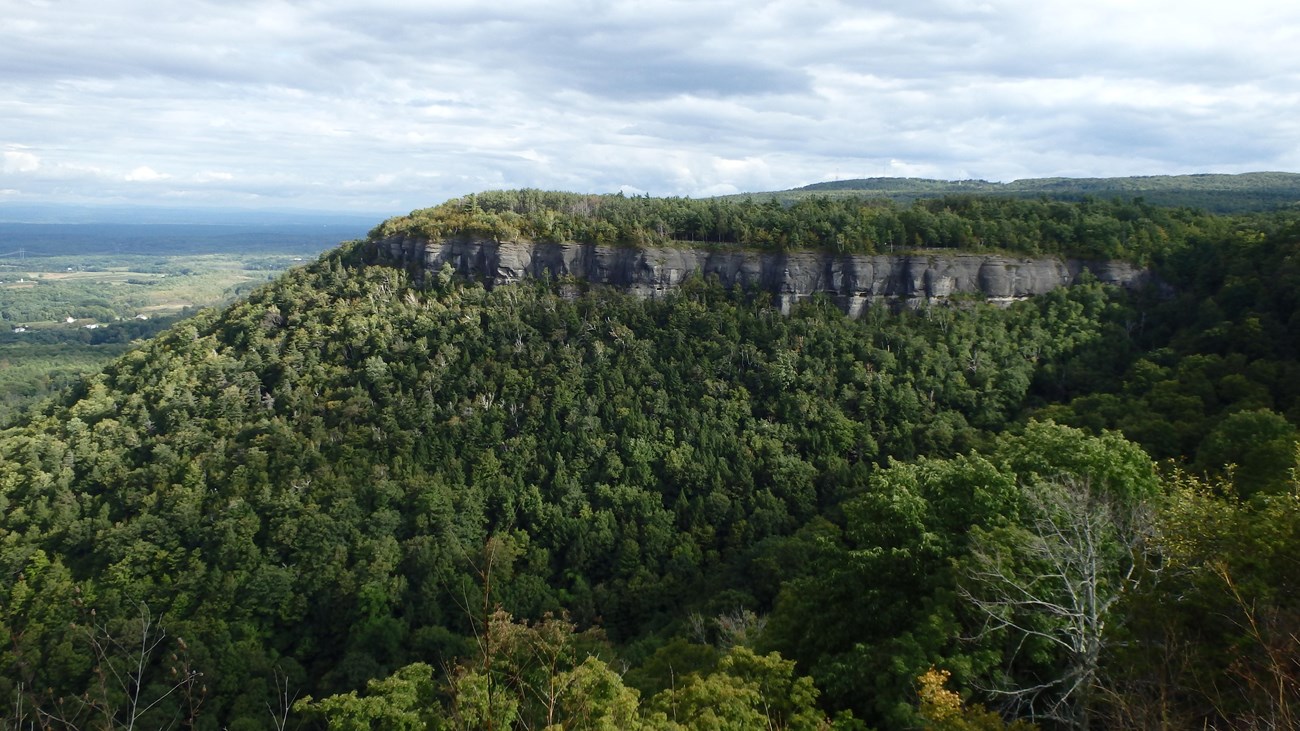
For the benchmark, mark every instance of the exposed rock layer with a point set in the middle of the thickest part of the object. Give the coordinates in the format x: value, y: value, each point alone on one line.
x: 853, y: 281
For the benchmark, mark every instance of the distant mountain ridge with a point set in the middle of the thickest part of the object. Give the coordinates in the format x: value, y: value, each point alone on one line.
x: 1217, y: 193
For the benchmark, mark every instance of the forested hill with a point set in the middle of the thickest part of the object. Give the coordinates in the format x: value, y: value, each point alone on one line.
x: 1210, y: 192
x: 362, y: 498
x: 1113, y: 229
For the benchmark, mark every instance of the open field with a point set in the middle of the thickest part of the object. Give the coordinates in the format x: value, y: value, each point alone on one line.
x: 46, y: 291
x: 74, y: 297
x: 63, y: 317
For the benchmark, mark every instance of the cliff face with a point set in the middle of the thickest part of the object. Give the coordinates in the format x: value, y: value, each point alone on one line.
x: 852, y: 281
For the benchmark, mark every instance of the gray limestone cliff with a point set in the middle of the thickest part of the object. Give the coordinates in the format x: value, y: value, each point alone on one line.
x: 853, y: 281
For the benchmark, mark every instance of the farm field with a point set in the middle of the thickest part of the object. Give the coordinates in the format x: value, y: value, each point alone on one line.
x: 44, y: 292
x: 74, y: 297
x: 63, y: 317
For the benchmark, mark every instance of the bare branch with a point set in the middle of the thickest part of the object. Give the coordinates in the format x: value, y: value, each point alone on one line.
x: 1055, y: 580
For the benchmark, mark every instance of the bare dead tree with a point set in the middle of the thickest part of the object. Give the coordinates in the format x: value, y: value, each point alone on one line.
x: 129, y: 681
x: 18, y: 718
x: 495, y: 556
x: 1054, y: 581
x: 739, y: 627
x: 284, y: 698
x: 124, y: 664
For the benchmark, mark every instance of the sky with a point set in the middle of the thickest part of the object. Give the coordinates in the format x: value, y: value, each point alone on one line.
x: 390, y: 105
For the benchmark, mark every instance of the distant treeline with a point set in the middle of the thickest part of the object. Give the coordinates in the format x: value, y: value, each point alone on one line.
x: 1214, y: 193
x: 1094, y: 229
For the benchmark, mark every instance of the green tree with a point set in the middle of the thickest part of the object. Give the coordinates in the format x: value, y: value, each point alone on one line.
x: 1212, y: 642
x: 404, y: 701
x: 746, y: 691
x: 943, y: 710
x: 1257, y: 447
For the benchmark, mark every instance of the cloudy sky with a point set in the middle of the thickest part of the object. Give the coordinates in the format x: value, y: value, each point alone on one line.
x: 389, y: 105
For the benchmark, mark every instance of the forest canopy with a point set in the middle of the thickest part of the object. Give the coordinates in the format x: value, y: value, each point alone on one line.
x: 1093, y: 229
x: 368, y: 497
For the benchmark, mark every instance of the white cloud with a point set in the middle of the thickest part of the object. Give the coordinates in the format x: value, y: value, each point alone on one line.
x: 213, y: 176
x: 401, y: 104
x: 145, y: 174
x: 16, y: 161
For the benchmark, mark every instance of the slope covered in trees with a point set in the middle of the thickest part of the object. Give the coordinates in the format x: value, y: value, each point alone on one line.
x: 413, y: 502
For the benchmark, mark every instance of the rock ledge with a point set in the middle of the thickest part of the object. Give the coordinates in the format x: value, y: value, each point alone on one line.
x: 853, y: 281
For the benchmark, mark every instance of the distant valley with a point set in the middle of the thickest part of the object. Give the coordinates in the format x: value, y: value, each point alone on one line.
x: 73, y: 296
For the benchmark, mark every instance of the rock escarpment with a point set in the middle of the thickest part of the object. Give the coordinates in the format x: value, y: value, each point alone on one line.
x: 853, y: 281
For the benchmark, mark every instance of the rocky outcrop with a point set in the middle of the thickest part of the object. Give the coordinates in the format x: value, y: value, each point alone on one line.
x: 853, y: 281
